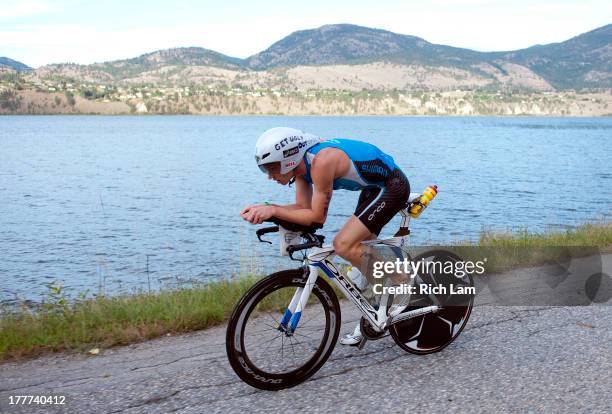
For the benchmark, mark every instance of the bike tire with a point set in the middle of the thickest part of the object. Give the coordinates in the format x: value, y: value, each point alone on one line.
x: 430, y: 333
x: 237, y: 352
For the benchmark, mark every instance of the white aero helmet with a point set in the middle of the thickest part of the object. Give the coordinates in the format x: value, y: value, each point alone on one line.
x: 286, y: 146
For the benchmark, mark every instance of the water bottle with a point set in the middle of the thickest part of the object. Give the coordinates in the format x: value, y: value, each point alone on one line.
x: 362, y: 283
x: 357, y: 278
x: 428, y: 194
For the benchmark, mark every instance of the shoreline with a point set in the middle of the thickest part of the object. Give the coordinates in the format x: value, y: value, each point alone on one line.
x: 177, y: 101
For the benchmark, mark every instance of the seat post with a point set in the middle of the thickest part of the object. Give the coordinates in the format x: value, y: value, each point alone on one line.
x: 403, y: 229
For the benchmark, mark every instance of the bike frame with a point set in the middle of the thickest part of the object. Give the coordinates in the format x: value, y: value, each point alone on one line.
x: 321, y: 259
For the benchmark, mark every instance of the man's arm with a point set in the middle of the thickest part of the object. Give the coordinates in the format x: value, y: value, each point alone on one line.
x: 323, y: 173
x: 303, y: 196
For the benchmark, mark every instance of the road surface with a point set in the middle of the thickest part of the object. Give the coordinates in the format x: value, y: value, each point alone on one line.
x: 508, y: 359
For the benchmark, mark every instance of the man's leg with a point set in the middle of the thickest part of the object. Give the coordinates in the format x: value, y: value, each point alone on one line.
x: 374, y: 209
x: 347, y: 242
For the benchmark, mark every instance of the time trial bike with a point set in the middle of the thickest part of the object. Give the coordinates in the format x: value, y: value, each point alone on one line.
x: 286, y: 325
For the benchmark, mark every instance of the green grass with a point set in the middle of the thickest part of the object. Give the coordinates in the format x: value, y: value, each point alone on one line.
x: 103, y: 322
x: 521, y: 249
x: 591, y: 234
x: 109, y: 321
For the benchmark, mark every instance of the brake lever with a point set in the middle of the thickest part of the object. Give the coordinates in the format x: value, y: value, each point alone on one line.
x: 291, y: 251
x: 314, y: 240
x: 291, y: 256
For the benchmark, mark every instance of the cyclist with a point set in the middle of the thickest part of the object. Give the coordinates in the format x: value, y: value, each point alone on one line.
x: 318, y: 167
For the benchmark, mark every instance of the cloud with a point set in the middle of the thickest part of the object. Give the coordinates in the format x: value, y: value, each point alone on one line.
x: 22, y: 8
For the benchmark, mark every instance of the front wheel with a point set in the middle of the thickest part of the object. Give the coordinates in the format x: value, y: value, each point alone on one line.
x: 432, y: 332
x: 262, y: 352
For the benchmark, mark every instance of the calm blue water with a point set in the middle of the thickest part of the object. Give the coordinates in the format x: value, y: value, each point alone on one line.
x: 85, y: 200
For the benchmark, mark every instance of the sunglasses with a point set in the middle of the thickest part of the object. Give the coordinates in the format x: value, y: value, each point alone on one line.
x: 270, y: 168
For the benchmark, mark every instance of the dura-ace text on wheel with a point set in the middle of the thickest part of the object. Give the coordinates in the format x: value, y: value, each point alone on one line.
x: 263, y: 348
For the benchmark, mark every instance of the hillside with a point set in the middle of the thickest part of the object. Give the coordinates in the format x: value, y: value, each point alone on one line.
x: 296, y: 61
x: 334, y: 69
x: 14, y: 65
x: 350, y: 44
x: 584, y: 61
x: 169, y: 60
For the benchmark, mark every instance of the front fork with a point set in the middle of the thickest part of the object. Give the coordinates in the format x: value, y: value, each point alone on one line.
x: 291, y: 317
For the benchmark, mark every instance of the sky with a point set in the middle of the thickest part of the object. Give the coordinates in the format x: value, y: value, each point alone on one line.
x: 39, y: 32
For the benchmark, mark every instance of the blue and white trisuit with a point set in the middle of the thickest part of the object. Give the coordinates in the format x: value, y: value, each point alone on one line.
x: 384, y: 187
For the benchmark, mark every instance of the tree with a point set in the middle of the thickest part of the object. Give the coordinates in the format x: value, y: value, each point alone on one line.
x: 70, y: 98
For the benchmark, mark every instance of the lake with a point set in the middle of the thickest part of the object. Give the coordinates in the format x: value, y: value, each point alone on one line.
x: 119, y: 204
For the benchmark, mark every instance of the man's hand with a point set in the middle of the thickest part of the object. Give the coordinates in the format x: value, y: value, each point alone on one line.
x: 256, y: 214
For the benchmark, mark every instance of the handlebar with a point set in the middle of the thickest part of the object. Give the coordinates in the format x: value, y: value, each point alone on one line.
x: 306, y: 232
x: 318, y: 242
x: 261, y: 232
x: 314, y: 240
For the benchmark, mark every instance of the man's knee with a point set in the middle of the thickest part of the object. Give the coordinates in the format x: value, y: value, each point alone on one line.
x: 343, y: 246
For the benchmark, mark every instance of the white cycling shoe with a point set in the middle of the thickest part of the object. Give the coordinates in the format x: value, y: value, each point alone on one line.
x: 352, y: 338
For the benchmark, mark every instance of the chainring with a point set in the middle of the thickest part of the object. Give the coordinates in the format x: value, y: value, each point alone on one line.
x: 368, y: 332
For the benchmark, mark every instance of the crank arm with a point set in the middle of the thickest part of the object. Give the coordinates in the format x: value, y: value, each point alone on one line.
x: 362, y: 343
x: 412, y: 314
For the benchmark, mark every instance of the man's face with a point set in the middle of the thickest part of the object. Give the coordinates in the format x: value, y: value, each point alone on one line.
x: 273, y: 171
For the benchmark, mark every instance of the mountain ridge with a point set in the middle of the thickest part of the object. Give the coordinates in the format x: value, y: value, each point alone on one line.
x: 581, y: 62
x: 348, y: 43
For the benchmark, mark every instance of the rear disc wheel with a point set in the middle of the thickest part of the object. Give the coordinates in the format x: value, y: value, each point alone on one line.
x: 432, y: 332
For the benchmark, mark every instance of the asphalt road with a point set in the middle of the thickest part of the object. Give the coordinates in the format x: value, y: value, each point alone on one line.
x: 508, y: 359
